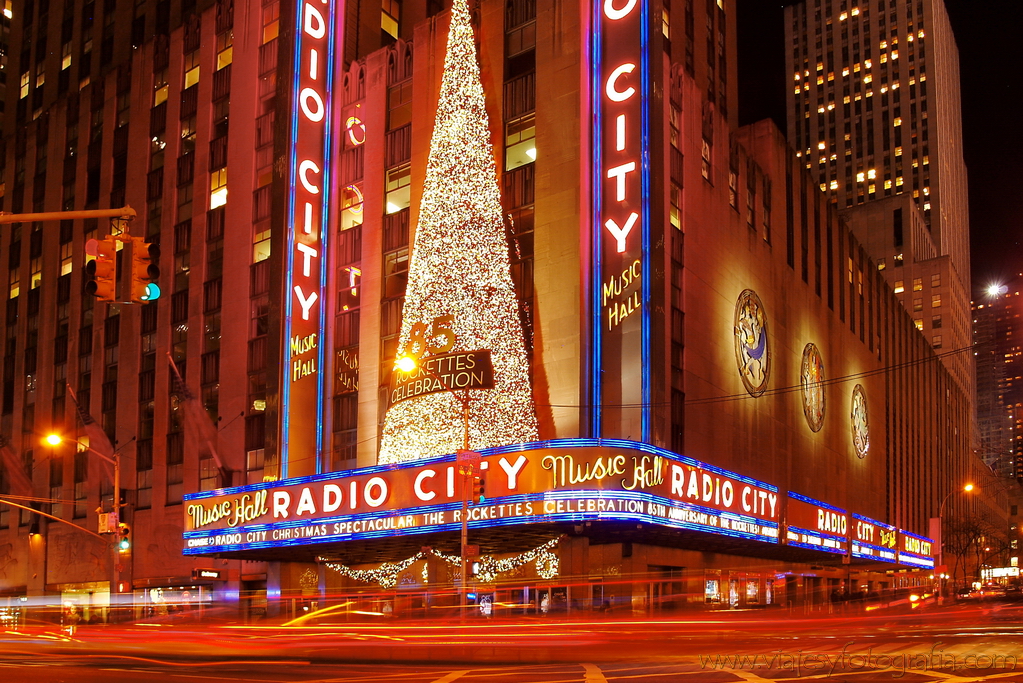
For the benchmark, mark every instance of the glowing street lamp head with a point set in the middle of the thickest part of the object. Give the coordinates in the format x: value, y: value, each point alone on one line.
x: 406, y: 364
x: 996, y: 289
x: 53, y: 439
x: 968, y: 488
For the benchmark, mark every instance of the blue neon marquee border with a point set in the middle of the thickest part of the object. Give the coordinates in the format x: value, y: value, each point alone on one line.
x: 819, y: 503
x: 499, y: 450
x: 912, y: 535
x: 864, y: 518
x: 540, y: 517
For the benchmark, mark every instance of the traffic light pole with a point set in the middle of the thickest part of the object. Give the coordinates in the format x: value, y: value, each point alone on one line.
x: 126, y: 213
x: 467, y: 468
x: 141, y: 258
x: 5, y: 501
x: 115, y: 584
x: 115, y: 581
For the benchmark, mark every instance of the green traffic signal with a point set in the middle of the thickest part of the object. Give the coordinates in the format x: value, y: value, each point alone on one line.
x: 144, y: 266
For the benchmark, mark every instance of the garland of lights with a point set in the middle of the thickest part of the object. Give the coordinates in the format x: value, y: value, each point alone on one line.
x: 386, y: 574
x: 488, y: 567
x: 547, y: 565
x: 460, y: 267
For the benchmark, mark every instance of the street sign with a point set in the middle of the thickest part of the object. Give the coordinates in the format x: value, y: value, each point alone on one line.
x: 468, y: 456
x: 468, y: 462
x: 207, y: 574
x: 108, y: 522
x: 471, y: 551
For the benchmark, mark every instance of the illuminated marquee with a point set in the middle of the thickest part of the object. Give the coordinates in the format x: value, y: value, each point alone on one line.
x: 569, y: 480
x: 309, y: 193
x: 620, y: 92
x: 816, y: 525
x: 873, y: 540
x: 914, y: 550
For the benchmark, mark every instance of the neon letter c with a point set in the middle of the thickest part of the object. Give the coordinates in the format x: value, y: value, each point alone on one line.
x: 613, y: 93
x: 615, y: 14
x: 303, y: 169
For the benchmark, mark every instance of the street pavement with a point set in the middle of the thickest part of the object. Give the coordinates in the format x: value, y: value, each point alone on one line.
x: 972, y: 642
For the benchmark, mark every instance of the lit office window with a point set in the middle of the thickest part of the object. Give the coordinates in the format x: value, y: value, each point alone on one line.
x: 191, y: 69
x: 218, y: 188
x: 390, y: 14
x: 520, y: 141
x: 225, y: 49
x: 398, y: 189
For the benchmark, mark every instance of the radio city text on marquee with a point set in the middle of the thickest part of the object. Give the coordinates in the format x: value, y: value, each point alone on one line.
x: 601, y: 480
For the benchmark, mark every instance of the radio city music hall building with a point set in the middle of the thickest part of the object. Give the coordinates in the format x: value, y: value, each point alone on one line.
x: 683, y: 373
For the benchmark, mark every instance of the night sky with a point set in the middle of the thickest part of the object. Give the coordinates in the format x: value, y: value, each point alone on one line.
x: 991, y: 71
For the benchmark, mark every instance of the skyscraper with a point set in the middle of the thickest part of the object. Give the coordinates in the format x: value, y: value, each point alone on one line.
x: 874, y: 112
x: 998, y: 339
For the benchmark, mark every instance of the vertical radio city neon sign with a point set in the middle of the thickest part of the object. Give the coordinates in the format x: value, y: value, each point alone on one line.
x: 620, y: 286
x: 308, y: 221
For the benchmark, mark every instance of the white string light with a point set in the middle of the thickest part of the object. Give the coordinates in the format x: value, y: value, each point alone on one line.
x: 487, y: 567
x: 460, y: 266
x: 386, y: 574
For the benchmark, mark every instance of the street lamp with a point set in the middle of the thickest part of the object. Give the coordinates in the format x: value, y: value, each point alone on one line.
x: 467, y: 465
x: 55, y: 440
x: 941, y: 536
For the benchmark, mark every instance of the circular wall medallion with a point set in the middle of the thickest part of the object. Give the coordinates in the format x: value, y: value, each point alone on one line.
x: 811, y: 379
x: 860, y: 428
x: 752, y: 355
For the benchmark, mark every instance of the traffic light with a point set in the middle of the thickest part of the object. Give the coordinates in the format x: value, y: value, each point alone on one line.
x: 123, y: 537
x: 144, y: 269
x: 101, y: 272
x: 479, y: 489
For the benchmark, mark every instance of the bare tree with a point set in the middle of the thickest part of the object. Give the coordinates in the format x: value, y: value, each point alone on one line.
x: 976, y: 536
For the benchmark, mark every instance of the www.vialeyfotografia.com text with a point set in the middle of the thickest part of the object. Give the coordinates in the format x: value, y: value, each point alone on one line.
x: 853, y: 659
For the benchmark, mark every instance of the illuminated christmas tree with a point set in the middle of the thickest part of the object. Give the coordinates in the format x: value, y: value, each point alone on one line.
x: 460, y: 267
